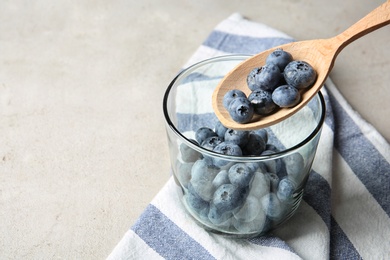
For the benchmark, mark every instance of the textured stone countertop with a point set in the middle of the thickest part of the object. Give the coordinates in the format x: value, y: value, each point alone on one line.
x: 83, y: 147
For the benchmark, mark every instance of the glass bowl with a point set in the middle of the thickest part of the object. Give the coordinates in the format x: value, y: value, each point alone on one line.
x: 236, y: 195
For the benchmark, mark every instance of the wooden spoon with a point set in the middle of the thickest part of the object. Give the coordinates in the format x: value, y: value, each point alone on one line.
x: 320, y: 54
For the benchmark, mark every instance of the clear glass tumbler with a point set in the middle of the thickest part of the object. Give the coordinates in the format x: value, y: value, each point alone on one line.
x: 240, y: 196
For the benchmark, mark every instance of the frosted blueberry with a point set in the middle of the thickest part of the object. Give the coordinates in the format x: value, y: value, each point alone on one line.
x: 299, y: 74
x: 221, y: 178
x: 183, y: 172
x: 286, y: 96
x: 273, y: 180
x: 231, y: 95
x: 218, y: 217
x: 270, y: 164
x: 194, y: 200
x: 240, y: 175
x: 266, y: 77
x: 249, y: 210
x: 275, y: 166
x: 272, y: 206
x: 211, y: 142
x: 203, y: 133
x: 295, y: 166
x: 262, y: 102
x: 256, y: 225
x: 202, y: 176
x: 228, y: 197
x: 226, y: 149
x: 286, y: 189
x: 241, y: 110
x: 188, y: 154
x: 262, y: 168
x: 255, y: 166
x: 237, y: 137
x: 251, y: 79
x: 260, y: 185
x: 279, y: 57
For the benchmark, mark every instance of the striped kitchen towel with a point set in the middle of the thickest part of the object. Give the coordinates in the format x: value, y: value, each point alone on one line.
x: 346, y: 206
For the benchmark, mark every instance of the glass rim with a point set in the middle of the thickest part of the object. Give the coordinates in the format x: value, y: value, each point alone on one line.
x: 236, y: 158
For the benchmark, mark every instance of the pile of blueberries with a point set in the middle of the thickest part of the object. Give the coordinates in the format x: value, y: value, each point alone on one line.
x: 276, y: 84
x: 237, y: 197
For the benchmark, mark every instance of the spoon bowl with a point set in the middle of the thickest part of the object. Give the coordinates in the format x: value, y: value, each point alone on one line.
x: 320, y: 54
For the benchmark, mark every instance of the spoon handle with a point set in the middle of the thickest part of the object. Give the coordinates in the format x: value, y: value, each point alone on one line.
x: 376, y: 19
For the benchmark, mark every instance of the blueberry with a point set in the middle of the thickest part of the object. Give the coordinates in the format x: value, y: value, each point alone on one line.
x: 263, y: 133
x: 211, y: 142
x: 183, y: 172
x: 272, y: 165
x: 268, y: 151
x: 231, y: 95
x: 202, y: 176
x: 221, y: 178
x: 262, y: 102
x: 273, y: 180
x: 237, y: 137
x: 240, y: 175
x: 220, y: 129
x: 266, y: 77
x: 260, y: 185
x: 286, y: 189
x: 299, y: 74
x: 241, y: 110
x: 255, y: 166
x: 194, y: 200
x: 226, y: 149
x: 256, y: 225
x: 275, y: 165
x: 295, y: 166
x: 188, y: 154
x: 255, y: 145
x: 279, y: 57
x: 262, y: 167
x: 249, y: 210
x: 286, y: 96
x: 251, y: 79
x: 203, y: 133
x: 271, y: 148
x: 218, y: 217
x: 229, y: 197
x: 272, y: 206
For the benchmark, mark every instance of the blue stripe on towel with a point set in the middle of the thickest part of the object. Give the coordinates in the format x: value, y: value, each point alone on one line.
x: 361, y: 155
x: 166, y: 238
x: 340, y: 246
x: 192, y: 122
x: 232, y: 43
x: 317, y: 195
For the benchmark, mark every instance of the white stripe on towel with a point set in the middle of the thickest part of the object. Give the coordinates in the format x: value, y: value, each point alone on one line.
x: 358, y: 213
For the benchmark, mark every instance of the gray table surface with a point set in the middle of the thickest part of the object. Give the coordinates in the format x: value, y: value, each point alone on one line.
x: 83, y: 145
